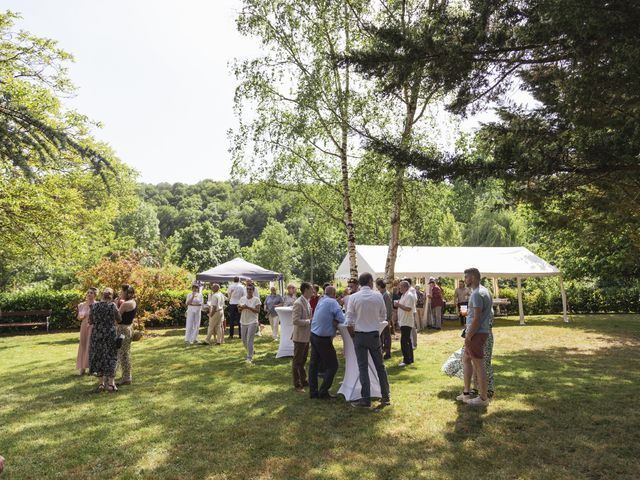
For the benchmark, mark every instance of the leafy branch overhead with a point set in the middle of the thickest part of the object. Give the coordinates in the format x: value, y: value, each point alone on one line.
x: 35, y: 131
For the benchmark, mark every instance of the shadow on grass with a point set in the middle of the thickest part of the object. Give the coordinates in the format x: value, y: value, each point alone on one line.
x: 200, y: 412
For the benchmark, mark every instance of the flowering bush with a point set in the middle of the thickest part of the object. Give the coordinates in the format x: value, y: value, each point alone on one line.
x: 147, y: 278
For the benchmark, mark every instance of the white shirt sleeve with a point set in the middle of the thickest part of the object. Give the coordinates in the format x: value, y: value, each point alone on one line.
x: 382, y: 310
x: 350, y: 320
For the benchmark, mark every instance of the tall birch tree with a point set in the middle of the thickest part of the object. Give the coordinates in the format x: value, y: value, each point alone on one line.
x: 297, y: 105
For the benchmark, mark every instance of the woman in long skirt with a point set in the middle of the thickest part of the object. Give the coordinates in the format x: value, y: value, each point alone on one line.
x: 127, y: 311
x: 82, y: 361
x: 104, y: 353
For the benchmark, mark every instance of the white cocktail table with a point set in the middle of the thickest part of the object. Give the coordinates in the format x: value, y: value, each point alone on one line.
x: 286, y: 330
x: 350, y: 387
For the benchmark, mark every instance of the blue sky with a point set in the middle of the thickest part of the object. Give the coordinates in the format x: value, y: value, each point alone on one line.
x: 155, y: 73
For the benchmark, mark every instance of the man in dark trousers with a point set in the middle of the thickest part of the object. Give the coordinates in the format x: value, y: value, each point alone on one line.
x: 326, y: 318
x: 385, y: 336
x: 365, y: 312
x: 301, y: 314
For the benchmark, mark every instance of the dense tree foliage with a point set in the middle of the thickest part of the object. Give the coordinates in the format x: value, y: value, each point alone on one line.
x: 35, y: 131
x: 573, y: 155
x: 55, y: 213
x: 343, y: 142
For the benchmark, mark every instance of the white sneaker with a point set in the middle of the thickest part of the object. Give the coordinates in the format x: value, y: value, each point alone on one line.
x: 249, y: 361
x: 464, y: 397
x: 402, y: 364
x: 275, y: 339
x: 478, y: 402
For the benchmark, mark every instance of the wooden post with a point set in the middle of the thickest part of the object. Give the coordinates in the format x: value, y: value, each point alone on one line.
x: 520, y: 308
x: 563, y: 293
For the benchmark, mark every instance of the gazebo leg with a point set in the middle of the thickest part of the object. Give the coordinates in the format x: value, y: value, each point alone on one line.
x: 520, y: 308
x: 563, y: 293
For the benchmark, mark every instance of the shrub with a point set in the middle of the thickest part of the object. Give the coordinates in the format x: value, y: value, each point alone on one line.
x: 62, y: 303
x: 171, y: 309
x: 149, y: 281
x: 166, y: 308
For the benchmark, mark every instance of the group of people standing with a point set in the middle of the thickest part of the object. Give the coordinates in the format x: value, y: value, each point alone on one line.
x: 243, y: 312
x: 106, y: 329
x: 314, y: 327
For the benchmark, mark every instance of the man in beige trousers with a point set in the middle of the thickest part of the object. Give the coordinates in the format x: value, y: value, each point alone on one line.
x: 301, y: 314
x: 216, y: 316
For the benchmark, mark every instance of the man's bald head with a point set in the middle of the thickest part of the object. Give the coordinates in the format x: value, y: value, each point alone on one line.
x: 330, y: 291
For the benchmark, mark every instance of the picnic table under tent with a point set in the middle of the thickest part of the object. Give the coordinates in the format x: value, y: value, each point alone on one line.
x: 238, y: 267
x: 451, y: 262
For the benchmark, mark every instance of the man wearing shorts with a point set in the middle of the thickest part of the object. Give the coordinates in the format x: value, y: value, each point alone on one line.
x: 479, y: 320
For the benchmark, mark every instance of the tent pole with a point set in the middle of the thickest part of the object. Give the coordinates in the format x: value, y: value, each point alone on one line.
x: 520, y: 308
x: 563, y: 293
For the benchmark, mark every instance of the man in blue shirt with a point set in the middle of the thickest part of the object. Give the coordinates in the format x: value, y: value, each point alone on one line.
x: 326, y: 317
x: 479, y: 319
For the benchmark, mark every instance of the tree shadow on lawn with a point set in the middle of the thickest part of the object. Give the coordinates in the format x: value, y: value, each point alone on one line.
x: 620, y: 325
x: 215, y: 417
x: 63, y: 341
x: 579, y: 419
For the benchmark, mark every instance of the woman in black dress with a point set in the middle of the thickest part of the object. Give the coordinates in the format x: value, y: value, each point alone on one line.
x: 127, y: 311
x: 103, y: 353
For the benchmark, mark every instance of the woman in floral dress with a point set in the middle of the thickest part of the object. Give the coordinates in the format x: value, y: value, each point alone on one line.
x: 82, y: 360
x: 103, y: 353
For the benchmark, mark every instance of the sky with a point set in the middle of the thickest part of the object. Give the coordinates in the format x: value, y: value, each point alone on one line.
x: 156, y: 74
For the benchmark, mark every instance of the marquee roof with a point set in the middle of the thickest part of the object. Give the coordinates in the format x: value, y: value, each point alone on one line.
x: 499, y: 262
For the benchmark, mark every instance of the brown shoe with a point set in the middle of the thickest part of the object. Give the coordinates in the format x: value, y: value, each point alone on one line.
x: 299, y: 389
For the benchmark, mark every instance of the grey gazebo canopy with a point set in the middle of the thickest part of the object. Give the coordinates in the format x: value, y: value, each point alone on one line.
x: 238, y: 267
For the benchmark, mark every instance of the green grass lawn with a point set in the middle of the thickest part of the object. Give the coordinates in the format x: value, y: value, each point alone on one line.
x: 566, y: 407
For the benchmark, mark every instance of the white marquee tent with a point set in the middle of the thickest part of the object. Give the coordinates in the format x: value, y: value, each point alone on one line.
x: 493, y: 262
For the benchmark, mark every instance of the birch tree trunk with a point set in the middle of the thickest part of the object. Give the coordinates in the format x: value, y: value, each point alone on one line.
x: 344, y: 162
x: 410, y: 98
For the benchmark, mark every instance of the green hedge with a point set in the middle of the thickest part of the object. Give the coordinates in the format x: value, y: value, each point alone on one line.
x: 539, y: 297
x: 542, y: 299
x: 174, y: 300
x: 63, y: 304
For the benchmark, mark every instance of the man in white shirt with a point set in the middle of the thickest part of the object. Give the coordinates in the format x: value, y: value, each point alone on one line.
x: 366, y: 311
x: 235, y: 292
x: 249, y: 307
x: 406, y: 319
x: 414, y: 330
x: 194, y: 308
x: 216, y: 316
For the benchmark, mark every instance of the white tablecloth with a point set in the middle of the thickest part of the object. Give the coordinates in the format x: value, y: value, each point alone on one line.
x: 286, y: 330
x: 350, y: 387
